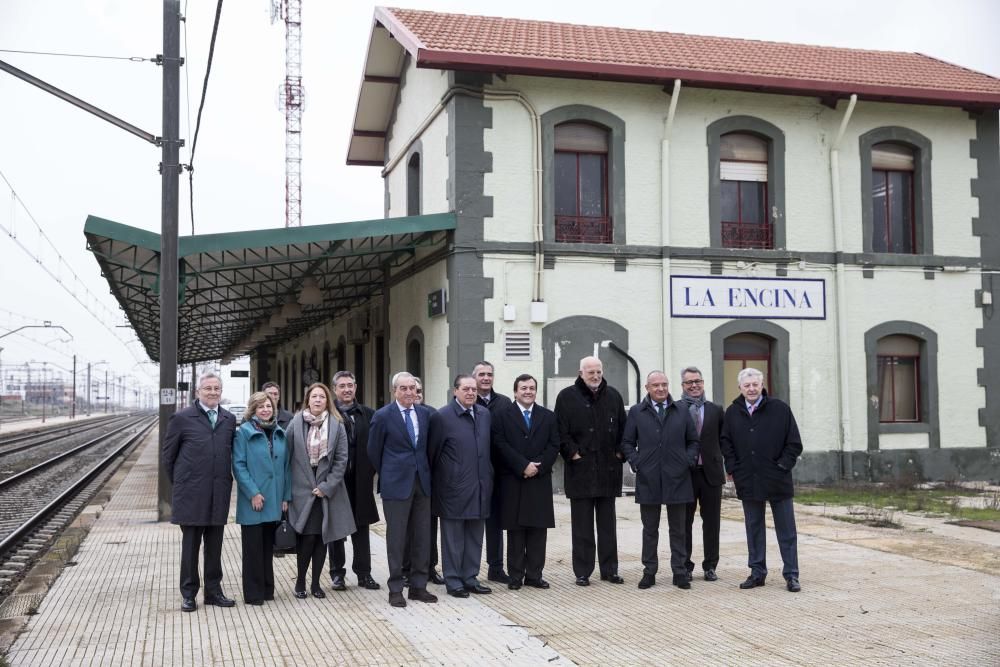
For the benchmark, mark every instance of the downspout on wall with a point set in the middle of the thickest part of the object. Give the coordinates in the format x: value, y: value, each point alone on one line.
x: 847, y: 465
x: 668, y: 126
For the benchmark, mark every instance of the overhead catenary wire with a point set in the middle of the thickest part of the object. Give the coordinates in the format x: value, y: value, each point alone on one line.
x: 134, y: 59
x: 201, y: 106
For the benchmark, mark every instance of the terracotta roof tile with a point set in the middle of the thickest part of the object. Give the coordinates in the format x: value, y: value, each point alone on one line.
x: 501, y: 44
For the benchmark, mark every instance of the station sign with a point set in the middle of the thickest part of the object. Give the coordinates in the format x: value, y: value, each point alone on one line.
x: 755, y: 298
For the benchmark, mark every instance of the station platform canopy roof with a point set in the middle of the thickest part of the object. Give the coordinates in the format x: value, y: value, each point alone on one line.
x: 241, y: 290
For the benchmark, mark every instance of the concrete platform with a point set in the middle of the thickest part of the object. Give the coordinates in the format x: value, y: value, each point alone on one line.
x: 870, y: 596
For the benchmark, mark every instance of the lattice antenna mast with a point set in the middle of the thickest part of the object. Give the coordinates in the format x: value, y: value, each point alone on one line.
x: 291, y: 98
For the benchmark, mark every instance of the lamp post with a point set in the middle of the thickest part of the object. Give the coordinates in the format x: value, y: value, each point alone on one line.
x: 47, y: 324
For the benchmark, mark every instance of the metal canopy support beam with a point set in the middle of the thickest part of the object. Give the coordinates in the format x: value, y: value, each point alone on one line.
x: 169, y: 172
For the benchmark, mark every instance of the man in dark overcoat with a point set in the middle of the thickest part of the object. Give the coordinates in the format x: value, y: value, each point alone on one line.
x: 761, y: 444
x: 463, y: 485
x: 492, y: 401
x: 397, y: 449
x: 359, y: 478
x: 197, y: 456
x: 707, y: 477
x: 591, y: 418
x: 661, y: 445
x: 525, y: 446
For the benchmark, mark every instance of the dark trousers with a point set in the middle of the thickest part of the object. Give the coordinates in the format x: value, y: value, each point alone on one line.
x: 258, y: 561
x: 526, y: 553
x: 709, y: 499
x: 461, y: 552
x: 584, y: 512
x: 309, y: 548
x: 400, y: 517
x: 190, y: 546
x: 494, y: 534
x: 361, y: 562
x: 433, y: 562
x: 783, y: 512
x: 650, y: 515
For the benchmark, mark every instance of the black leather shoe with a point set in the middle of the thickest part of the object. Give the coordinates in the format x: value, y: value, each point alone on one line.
x: 793, y: 585
x: 188, y: 604
x: 647, y: 581
x: 435, y: 578
x: 583, y: 581
x: 536, y: 583
x: 612, y: 578
x: 301, y: 595
x: 479, y: 589
x: 752, y: 582
x: 338, y: 583
x: 255, y: 603
x: 397, y: 600
x: 220, y: 600
x: 368, y: 583
x: 710, y: 575
x: 317, y: 592
x: 498, y: 576
x: 459, y: 593
x: 421, y: 595
x: 514, y: 585
x: 681, y: 581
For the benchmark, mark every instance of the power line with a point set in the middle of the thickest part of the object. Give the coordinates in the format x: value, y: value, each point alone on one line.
x: 60, y: 262
x: 134, y: 59
x: 201, y: 107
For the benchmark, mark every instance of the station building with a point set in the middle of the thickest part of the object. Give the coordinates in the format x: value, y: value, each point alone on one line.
x: 830, y: 216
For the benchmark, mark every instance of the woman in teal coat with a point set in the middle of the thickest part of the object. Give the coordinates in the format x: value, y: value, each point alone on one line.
x: 263, y: 482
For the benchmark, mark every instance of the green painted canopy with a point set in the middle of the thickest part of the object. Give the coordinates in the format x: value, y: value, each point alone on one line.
x: 234, y: 286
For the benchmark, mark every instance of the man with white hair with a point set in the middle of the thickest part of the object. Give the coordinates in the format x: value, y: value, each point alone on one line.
x: 197, y: 456
x: 591, y: 418
x: 760, y: 443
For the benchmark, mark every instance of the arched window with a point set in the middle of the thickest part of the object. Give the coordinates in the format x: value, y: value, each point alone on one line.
x: 902, y: 385
x: 413, y: 185
x: 743, y: 191
x: 746, y: 183
x: 892, y: 199
x: 325, y: 374
x: 749, y: 343
x: 341, y: 354
x: 896, y: 191
x: 899, y: 379
x: 581, y: 184
x: 415, y: 352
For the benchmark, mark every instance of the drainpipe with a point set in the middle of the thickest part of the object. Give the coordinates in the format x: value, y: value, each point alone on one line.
x: 537, y: 293
x: 847, y: 467
x: 633, y: 362
x: 665, y: 320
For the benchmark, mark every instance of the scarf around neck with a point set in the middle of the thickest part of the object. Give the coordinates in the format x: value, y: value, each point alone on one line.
x: 317, y: 437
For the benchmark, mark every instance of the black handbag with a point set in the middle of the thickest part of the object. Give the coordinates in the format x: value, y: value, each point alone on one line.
x: 284, y: 535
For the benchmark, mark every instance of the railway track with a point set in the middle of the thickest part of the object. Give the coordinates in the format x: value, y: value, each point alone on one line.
x: 38, y: 502
x: 18, y: 442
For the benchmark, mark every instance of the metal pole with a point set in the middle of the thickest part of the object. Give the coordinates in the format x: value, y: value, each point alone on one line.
x: 72, y: 414
x: 43, y: 392
x: 3, y: 387
x: 105, y: 391
x: 169, y: 172
x: 89, y: 389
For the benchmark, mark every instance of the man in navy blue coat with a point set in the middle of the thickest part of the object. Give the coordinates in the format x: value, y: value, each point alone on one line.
x: 463, y: 485
x: 197, y: 455
x: 397, y: 449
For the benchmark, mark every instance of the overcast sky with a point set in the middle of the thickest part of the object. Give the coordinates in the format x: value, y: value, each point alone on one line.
x: 65, y: 164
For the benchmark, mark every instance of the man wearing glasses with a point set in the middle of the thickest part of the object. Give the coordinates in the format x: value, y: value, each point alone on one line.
x: 708, y: 475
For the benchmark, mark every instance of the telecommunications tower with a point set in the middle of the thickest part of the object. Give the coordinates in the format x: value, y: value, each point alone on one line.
x: 291, y: 99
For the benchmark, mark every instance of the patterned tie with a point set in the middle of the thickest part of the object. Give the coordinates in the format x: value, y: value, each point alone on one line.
x: 410, y: 429
x: 212, y: 417
x: 527, y: 418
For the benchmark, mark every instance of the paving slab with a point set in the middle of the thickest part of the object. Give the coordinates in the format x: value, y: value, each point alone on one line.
x: 870, y: 596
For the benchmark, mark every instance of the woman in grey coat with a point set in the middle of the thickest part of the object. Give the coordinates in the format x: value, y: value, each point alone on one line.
x: 320, y: 510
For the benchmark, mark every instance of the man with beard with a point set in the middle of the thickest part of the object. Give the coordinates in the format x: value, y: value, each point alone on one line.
x: 591, y: 418
x: 708, y: 475
x: 359, y: 479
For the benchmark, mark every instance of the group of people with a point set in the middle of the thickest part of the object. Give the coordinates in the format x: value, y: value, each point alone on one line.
x: 479, y: 466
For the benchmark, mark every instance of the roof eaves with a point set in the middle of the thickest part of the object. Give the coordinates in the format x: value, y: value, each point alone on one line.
x: 460, y: 60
